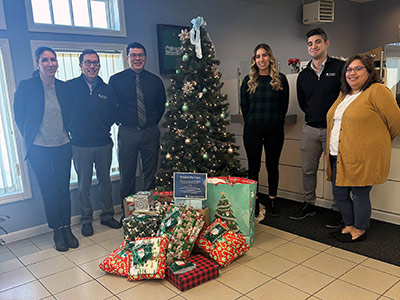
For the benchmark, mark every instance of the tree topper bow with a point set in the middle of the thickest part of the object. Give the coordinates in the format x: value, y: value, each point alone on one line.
x: 195, y: 35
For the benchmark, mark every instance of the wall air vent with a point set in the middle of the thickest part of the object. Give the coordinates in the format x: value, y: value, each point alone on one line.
x: 322, y: 11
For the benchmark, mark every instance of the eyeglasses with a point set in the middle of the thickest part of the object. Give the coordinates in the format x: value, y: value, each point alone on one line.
x: 134, y: 55
x: 89, y: 62
x: 355, y: 69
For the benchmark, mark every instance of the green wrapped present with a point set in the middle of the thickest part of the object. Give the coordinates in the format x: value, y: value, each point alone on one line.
x: 232, y: 199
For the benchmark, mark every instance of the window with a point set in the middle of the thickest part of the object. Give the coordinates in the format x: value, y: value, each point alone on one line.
x: 2, y: 16
x: 97, y: 17
x: 111, y: 60
x: 14, y: 184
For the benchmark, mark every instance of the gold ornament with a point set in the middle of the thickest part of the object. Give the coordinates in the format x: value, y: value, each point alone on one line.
x: 168, y: 156
x: 230, y: 150
x: 188, y: 141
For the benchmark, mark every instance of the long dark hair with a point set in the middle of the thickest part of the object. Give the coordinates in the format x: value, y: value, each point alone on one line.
x: 368, y: 63
x: 38, y: 53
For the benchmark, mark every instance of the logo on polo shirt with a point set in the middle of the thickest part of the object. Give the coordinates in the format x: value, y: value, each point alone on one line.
x: 102, y: 96
x: 330, y: 74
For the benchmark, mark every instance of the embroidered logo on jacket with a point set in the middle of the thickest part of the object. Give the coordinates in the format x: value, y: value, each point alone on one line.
x: 330, y: 74
x: 102, y: 96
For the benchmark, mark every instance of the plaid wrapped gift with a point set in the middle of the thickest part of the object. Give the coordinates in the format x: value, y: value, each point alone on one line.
x: 206, y: 269
x: 221, y: 244
x: 182, y: 226
x: 119, y: 262
x: 148, y: 259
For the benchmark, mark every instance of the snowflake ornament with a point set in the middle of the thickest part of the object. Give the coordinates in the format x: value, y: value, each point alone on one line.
x: 184, y: 35
x: 187, y: 88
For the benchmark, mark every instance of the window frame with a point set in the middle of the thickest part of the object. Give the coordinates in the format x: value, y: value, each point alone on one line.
x: 79, y: 46
x: 3, y: 25
x: 26, y: 184
x: 72, y: 29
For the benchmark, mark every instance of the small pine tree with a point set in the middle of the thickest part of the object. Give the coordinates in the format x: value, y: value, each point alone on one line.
x: 197, y: 139
x: 225, y: 213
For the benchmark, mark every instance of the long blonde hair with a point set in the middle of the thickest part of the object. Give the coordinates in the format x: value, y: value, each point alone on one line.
x: 276, y: 81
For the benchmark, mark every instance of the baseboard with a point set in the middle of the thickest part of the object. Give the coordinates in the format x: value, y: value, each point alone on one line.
x: 41, y: 229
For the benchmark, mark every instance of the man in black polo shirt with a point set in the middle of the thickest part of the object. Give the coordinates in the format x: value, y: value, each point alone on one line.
x: 318, y: 86
x: 141, y: 104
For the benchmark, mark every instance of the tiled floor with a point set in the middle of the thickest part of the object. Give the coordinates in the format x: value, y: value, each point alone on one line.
x: 280, y: 265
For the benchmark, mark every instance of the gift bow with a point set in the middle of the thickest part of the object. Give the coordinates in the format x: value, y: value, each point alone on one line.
x: 141, y: 254
x: 195, y: 35
x: 128, y: 247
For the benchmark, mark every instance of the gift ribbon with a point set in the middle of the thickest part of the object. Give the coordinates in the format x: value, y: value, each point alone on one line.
x: 128, y: 247
x: 171, y: 220
x: 141, y: 254
x: 195, y: 35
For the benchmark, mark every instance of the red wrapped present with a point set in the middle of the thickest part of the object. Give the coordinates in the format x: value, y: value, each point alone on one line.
x: 148, y: 258
x: 164, y: 196
x: 206, y: 269
x: 119, y: 262
x: 222, y: 244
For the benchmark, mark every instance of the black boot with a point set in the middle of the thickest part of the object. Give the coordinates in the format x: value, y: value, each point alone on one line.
x: 59, y: 240
x: 71, y: 240
x: 274, y: 208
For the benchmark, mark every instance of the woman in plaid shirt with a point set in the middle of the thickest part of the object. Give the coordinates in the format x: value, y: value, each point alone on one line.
x: 264, y: 103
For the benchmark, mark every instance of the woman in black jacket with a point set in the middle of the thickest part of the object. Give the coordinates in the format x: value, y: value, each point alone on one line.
x: 42, y: 115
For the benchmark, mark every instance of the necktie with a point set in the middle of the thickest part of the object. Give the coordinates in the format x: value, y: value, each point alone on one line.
x: 140, y: 103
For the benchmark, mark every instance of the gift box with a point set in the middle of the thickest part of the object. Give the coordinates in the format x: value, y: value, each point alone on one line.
x: 232, y: 199
x: 141, y: 201
x: 164, y: 196
x: 222, y: 244
x: 148, y: 259
x: 119, y: 262
x: 206, y: 213
x: 141, y: 225
x: 193, y: 203
x: 205, y: 269
x: 181, y: 226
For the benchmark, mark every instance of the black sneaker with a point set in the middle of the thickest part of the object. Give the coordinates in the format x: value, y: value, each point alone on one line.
x: 59, y: 240
x: 87, y: 229
x: 274, y: 208
x: 335, y: 220
x: 112, y: 223
x: 69, y: 237
x: 306, y: 210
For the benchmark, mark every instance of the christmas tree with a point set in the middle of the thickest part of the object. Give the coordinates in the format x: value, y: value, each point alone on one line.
x: 196, y: 115
x: 225, y: 213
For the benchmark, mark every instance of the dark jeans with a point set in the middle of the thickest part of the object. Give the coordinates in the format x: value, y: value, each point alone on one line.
x: 84, y: 158
x: 131, y: 143
x: 52, y: 167
x: 355, y: 210
x: 272, y: 140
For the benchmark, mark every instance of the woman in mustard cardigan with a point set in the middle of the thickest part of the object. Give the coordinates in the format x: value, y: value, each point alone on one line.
x: 360, y: 127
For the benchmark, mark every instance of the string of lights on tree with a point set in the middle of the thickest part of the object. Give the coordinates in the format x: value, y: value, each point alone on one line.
x: 196, y: 118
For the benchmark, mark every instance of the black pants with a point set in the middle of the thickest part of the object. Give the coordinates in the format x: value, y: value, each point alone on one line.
x: 52, y: 167
x: 272, y: 140
x: 131, y: 143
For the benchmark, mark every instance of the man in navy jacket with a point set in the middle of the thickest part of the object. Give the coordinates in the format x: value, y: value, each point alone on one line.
x: 93, y: 113
x: 318, y: 86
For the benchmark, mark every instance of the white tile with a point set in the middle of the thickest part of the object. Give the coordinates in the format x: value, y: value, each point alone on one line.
x: 29, y: 291
x: 305, y: 279
x: 117, y: 284
x: 311, y: 244
x: 277, y: 290
x: 281, y: 234
x: 394, y: 292
x: 382, y: 266
x: 92, y: 267
x: 148, y: 288
x: 370, y: 279
x: 39, y: 256
x: 6, y: 255
x: 243, y: 279
x: 106, y: 235
x: 50, y: 266
x: 14, y: 278
x: 65, y: 280
x: 340, y: 290
x: 91, y: 290
x: 268, y: 242
x: 270, y: 264
x: 112, y: 244
x: 211, y: 290
x: 329, y: 264
x: 9, y: 265
x: 249, y: 255
x: 294, y: 252
x: 84, y: 255
x: 348, y: 255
